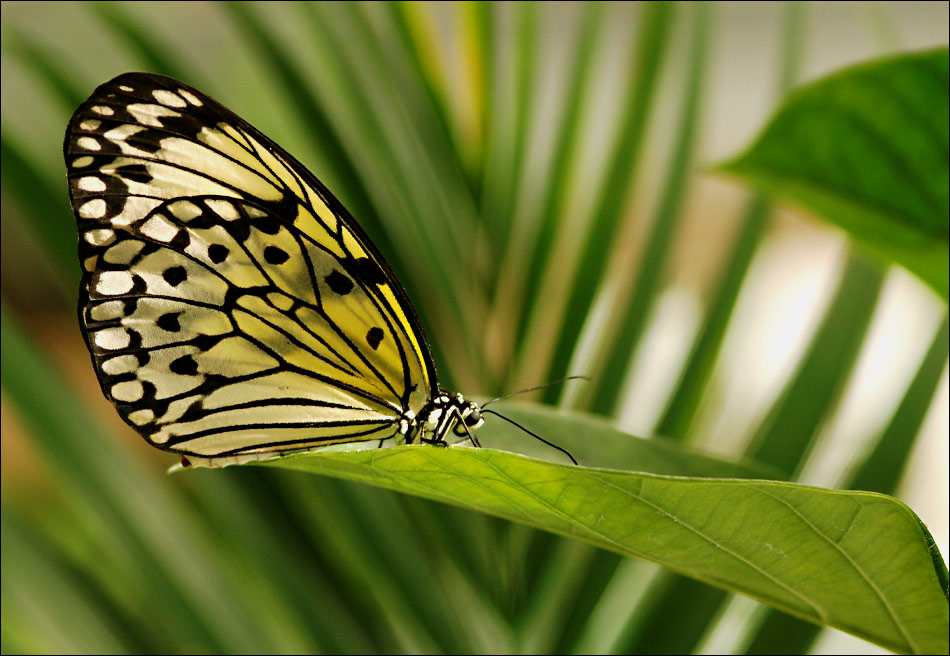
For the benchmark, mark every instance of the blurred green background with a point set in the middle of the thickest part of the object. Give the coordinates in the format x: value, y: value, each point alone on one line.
x: 534, y: 173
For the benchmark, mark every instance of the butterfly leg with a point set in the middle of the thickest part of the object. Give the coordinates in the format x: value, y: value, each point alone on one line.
x: 468, y: 434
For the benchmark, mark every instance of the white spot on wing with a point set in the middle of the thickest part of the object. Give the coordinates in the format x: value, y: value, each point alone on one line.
x: 224, y: 209
x: 121, y: 364
x: 102, y: 110
x: 134, y: 209
x: 141, y: 417
x: 107, y: 310
x: 91, y: 183
x: 88, y: 143
x: 111, y: 283
x: 129, y: 391
x: 151, y: 115
x: 113, y: 339
x: 93, y: 209
x: 83, y: 162
x: 100, y: 236
x: 190, y: 97
x: 184, y: 210
x: 123, y: 252
x: 159, y: 228
x: 123, y: 132
x: 90, y: 124
x: 168, y: 98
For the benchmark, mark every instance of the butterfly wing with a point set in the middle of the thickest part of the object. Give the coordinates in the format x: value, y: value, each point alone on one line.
x: 232, y: 307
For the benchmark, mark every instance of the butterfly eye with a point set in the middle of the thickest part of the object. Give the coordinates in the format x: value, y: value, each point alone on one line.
x: 473, y: 418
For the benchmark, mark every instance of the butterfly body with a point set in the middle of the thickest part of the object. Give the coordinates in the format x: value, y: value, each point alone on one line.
x: 233, y: 308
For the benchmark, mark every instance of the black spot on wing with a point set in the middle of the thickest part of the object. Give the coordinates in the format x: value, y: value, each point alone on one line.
x: 180, y: 241
x: 275, y: 255
x: 169, y: 322
x: 175, y: 275
x: 269, y: 224
x: 339, y: 283
x: 367, y: 270
x: 374, y: 337
x: 184, y: 366
x: 217, y: 253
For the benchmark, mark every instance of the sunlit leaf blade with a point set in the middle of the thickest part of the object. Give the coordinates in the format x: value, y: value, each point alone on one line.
x: 858, y: 561
x: 785, y: 436
x: 867, y: 148
x: 595, y: 442
x: 262, y: 559
x: 666, y: 624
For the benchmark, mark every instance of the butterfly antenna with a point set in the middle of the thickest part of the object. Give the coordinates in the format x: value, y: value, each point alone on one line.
x: 534, y: 435
x: 534, y: 389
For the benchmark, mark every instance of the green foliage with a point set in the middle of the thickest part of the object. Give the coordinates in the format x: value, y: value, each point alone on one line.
x: 828, y: 556
x: 440, y: 128
x: 867, y: 148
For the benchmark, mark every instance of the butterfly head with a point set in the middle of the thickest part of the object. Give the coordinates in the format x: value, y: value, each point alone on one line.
x: 470, y: 416
x: 447, y: 413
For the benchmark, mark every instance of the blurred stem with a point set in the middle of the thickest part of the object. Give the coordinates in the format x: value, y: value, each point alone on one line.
x: 649, y: 52
x: 307, y: 104
x: 615, y: 357
x: 139, y: 39
x: 683, y: 403
x: 45, y: 69
x: 411, y: 204
x: 478, y: 57
x: 786, y: 434
x: 664, y: 624
x: 882, y: 469
x: 681, y: 408
x: 534, y: 232
x: 139, y: 521
x: 44, y: 215
x: 417, y: 36
x: 42, y: 591
x: 509, y: 128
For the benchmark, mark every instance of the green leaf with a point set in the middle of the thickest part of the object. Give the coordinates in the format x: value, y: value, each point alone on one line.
x: 858, y: 561
x: 867, y: 149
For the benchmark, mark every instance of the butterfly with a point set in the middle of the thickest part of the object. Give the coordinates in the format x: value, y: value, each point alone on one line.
x: 234, y: 310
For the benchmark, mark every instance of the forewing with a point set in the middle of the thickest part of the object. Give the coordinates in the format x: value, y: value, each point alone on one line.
x: 232, y: 307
